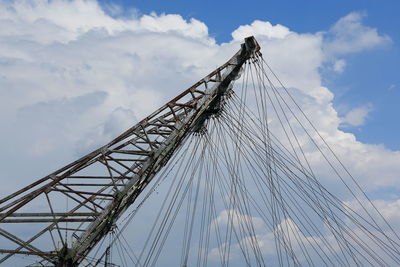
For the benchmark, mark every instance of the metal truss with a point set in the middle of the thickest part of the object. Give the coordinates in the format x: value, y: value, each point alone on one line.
x: 73, y: 208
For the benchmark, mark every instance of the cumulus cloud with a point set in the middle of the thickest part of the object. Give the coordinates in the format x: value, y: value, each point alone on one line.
x: 389, y: 209
x: 47, y: 21
x: 261, y: 29
x: 116, y: 122
x: 357, y: 116
x: 139, y: 62
x: 234, y: 217
x: 51, y: 133
x: 72, y: 77
x: 300, y: 240
x: 65, y: 66
x: 350, y: 35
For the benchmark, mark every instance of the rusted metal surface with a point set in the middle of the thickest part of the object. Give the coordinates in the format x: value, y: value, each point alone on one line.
x: 69, y: 214
x: 48, y: 254
x: 113, y: 175
x: 46, y: 220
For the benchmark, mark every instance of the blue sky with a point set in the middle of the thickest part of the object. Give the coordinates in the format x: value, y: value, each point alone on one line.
x: 371, y: 77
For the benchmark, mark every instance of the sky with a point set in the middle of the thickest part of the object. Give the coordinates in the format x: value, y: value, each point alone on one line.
x: 75, y: 74
x: 371, y: 80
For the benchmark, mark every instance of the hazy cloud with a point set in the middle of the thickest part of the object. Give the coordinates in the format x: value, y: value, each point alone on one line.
x: 339, y: 65
x: 357, y: 116
x: 349, y: 35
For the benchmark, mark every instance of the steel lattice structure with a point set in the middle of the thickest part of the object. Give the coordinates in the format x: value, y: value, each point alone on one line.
x: 103, y: 184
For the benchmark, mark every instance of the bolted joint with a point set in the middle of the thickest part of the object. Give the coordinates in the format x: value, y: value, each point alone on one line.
x: 65, y: 258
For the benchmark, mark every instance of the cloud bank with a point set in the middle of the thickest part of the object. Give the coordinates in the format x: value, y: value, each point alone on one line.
x: 72, y: 77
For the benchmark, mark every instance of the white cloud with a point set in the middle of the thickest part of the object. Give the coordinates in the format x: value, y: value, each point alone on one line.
x: 235, y: 217
x: 357, y: 116
x: 116, y: 122
x: 52, y: 131
x: 62, y: 21
x: 293, y: 235
x: 261, y: 29
x: 389, y: 209
x: 175, y: 23
x: 349, y: 35
x: 339, y: 65
x: 299, y: 240
x: 140, y: 62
